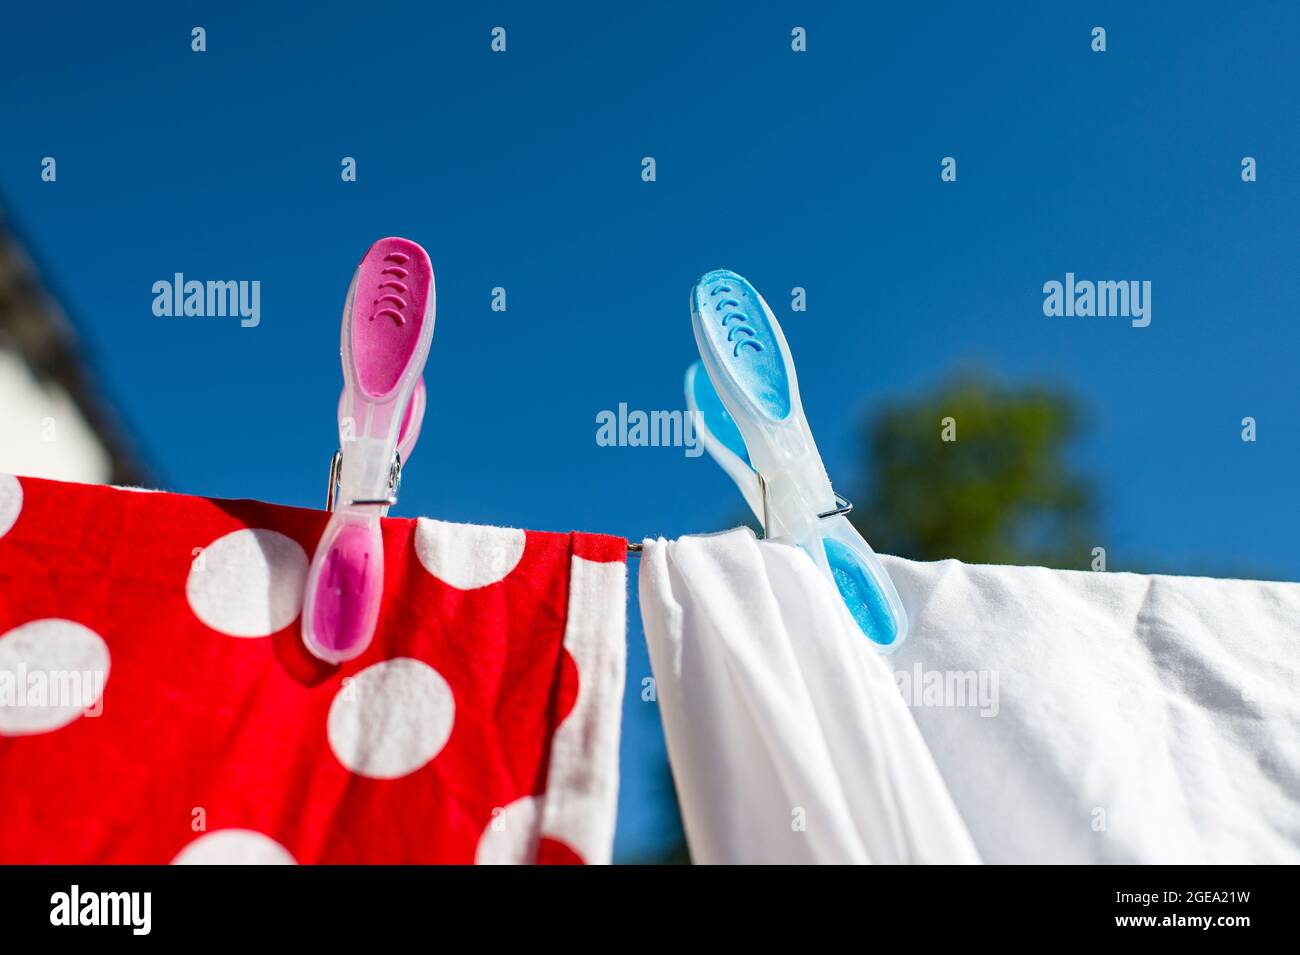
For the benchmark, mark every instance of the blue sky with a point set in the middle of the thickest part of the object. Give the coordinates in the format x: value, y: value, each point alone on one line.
x: 820, y: 170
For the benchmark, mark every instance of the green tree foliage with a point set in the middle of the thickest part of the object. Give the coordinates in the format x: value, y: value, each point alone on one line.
x: 1002, y: 491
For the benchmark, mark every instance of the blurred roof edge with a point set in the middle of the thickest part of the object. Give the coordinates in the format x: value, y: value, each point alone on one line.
x: 34, y: 324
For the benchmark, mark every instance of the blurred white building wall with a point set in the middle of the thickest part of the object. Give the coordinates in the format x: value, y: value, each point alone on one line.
x: 42, y: 431
x: 54, y: 422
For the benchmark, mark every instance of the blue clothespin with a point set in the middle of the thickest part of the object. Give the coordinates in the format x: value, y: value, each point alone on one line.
x: 749, y: 416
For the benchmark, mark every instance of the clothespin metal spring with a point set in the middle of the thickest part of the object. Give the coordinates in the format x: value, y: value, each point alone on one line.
x: 336, y: 474
x: 842, y: 506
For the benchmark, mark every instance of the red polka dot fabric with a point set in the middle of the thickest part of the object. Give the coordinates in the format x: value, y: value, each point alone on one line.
x: 157, y: 704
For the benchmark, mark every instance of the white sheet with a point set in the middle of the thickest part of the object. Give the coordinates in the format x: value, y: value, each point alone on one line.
x: 788, y: 739
x: 1147, y: 719
x: 1074, y: 717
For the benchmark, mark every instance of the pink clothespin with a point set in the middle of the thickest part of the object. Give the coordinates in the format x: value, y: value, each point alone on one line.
x: 387, y: 329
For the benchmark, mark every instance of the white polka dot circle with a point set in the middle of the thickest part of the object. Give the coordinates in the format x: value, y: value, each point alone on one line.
x: 11, y: 502
x: 248, y: 583
x: 512, y: 837
x: 391, y: 718
x: 234, y: 847
x: 467, y: 556
x: 51, y: 671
